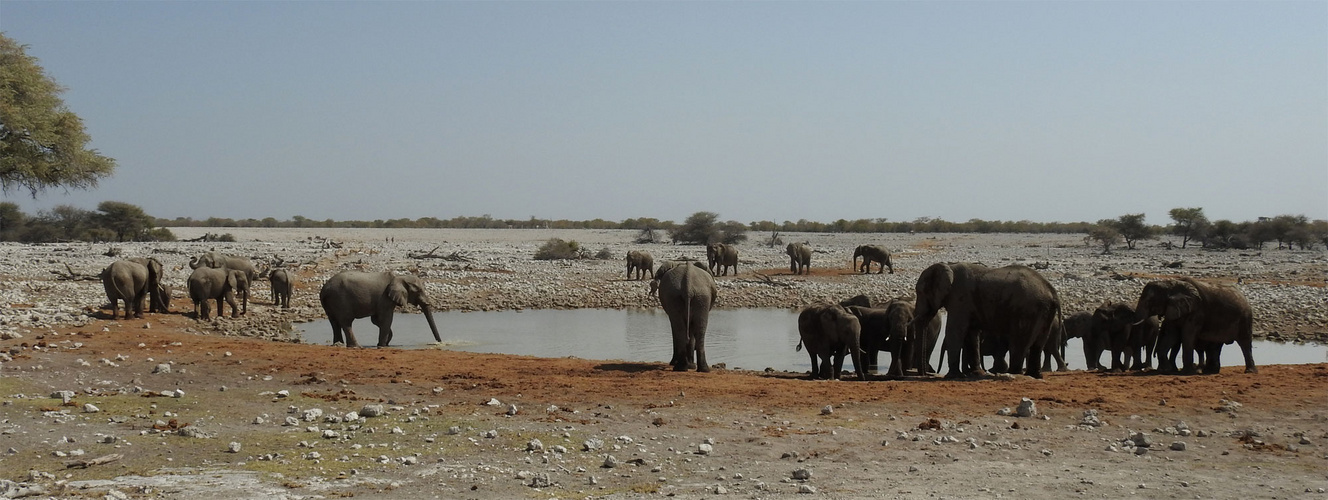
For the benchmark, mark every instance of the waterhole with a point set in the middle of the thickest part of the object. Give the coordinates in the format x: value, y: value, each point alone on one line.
x: 752, y: 339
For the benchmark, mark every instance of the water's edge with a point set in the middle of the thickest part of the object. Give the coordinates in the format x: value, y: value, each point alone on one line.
x: 752, y: 339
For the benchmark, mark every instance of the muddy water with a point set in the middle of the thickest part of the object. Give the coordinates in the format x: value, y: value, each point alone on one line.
x: 751, y: 339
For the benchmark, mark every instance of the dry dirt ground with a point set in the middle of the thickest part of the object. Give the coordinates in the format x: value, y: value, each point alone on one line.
x: 234, y: 417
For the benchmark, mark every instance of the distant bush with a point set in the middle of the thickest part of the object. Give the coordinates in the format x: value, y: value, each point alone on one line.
x: 604, y: 254
x: 557, y: 249
x: 159, y: 234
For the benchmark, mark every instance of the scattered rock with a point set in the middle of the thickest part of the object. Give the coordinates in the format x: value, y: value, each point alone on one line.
x: 234, y: 447
x: 1027, y: 408
x: 372, y: 410
x: 828, y: 409
x: 802, y: 474
x: 162, y: 368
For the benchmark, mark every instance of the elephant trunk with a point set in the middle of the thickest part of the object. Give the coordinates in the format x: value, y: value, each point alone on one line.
x: 428, y: 316
x: 194, y: 263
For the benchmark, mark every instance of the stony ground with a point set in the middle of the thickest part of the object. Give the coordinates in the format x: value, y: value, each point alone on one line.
x: 179, y: 408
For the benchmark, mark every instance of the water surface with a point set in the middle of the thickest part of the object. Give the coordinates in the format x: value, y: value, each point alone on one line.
x: 751, y: 339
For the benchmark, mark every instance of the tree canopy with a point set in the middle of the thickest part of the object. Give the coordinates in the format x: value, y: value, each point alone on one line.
x: 42, y: 143
x: 1190, y: 223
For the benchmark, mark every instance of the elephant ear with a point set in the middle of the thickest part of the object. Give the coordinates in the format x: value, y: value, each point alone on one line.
x: 934, y: 284
x: 700, y: 266
x: 1182, y: 300
x: 396, y: 292
x: 230, y: 281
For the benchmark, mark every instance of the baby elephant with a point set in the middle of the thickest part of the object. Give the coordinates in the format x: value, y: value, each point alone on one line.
x: 829, y: 331
x: 207, y: 284
x: 282, y: 287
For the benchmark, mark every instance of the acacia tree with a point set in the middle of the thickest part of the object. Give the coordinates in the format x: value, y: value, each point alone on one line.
x: 1131, y: 228
x: 42, y: 143
x: 1190, y: 223
x: 129, y: 222
x: 1105, y: 234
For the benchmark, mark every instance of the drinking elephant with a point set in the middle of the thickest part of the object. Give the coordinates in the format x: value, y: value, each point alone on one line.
x: 208, y: 284
x: 869, y: 254
x: 640, y: 261
x: 1201, y: 312
x: 687, y: 292
x: 721, y: 257
x: 800, y: 258
x: 830, y: 331
x: 282, y: 287
x: 133, y: 281
x: 1012, y: 303
x: 217, y: 260
x: 1131, y: 342
x: 349, y: 295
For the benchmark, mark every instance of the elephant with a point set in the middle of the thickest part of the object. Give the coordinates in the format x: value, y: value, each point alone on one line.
x: 207, y: 283
x: 642, y: 262
x: 869, y: 254
x: 1053, y: 349
x: 1079, y: 326
x: 830, y: 331
x: 1131, y: 342
x: 1168, y: 347
x: 214, y: 259
x: 133, y: 281
x: 1201, y: 312
x: 241, y: 288
x: 687, y: 292
x: 1013, y: 303
x: 721, y: 257
x: 282, y: 287
x: 889, y: 328
x: 349, y: 295
x: 800, y: 258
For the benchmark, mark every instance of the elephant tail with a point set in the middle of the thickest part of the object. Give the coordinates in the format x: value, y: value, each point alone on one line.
x: 799, y: 347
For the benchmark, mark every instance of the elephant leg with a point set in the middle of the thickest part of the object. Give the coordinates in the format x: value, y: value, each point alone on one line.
x: 1188, y: 335
x: 839, y: 365
x: 698, y: 344
x: 384, y: 330
x: 235, y: 309
x: 816, y: 364
x: 350, y: 334
x: 956, y: 331
x: 336, y: 332
x: 1245, y: 339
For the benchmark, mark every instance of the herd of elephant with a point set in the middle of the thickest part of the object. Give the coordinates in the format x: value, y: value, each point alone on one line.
x: 995, y: 312
x: 215, y: 278
x: 1007, y: 311
x: 221, y: 279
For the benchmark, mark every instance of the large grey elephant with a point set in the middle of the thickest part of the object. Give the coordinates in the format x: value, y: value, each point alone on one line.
x: 1013, y: 303
x: 1201, y: 312
x: 687, y: 292
x: 208, y: 284
x: 829, y: 332
x: 800, y: 258
x: 890, y: 328
x: 642, y: 262
x: 349, y: 295
x: 282, y: 287
x: 869, y: 254
x: 133, y: 281
x: 721, y: 257
x: 1131, y: 342
x: 218, y: 260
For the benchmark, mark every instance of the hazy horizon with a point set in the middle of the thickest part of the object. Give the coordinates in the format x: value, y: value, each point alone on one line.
x: 1039, y: 111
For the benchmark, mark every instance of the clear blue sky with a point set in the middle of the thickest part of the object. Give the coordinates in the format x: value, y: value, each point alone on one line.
x: 1046, y: 111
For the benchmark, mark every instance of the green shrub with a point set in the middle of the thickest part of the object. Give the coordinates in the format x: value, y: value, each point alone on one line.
x: 556, y: 249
